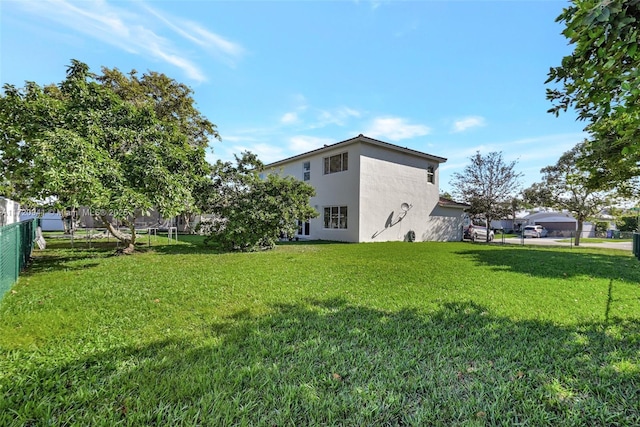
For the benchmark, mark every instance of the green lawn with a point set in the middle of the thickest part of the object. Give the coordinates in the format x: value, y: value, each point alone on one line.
x: 323, y: 334
x: 596, y: 240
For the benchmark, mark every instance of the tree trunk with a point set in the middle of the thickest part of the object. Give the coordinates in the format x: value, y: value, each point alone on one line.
x: 487, y: 221
x: 578, y: 232
x: 128, y: 242
x: 187, y: 224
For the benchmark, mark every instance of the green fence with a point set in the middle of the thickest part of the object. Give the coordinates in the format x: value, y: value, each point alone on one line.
x: 16, y: 243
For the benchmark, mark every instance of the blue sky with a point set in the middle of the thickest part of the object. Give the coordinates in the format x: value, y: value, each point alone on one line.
x: 281, y: 77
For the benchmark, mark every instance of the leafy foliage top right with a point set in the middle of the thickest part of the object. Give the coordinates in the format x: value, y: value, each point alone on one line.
x: 601, y: 81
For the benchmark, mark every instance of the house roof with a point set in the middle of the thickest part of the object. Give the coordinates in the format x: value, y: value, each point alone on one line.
x: 448, y: 203
x: 549, y: 216
x: 363, y: 139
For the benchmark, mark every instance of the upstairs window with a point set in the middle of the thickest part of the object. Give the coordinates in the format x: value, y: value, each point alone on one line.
x: 306, y: 171
x: 430, y: 175
x: 337, y: 163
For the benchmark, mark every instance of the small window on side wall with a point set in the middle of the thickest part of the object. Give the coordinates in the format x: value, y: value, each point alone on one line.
x: 306, y: 171
x: 430, y: 175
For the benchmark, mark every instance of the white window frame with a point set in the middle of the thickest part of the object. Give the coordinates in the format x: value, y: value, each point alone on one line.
x: 306, y: 171
x: 431, y: 175
x: 342, y: 158
x: 337, y: 218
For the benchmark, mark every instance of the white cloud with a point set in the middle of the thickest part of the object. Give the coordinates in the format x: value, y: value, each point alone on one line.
x: 289, y: 118
x: 531, y: 154
x: 226, y: 50
x: 135, y: 33
x: 238, y: 138
x: 395, y: 129
x: 302, y: 143
x: 338, y: 116
x: 468, y: 123
x: 546, y: 148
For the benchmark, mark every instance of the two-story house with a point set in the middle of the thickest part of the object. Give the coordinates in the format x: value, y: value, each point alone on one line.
x: 369, y: 190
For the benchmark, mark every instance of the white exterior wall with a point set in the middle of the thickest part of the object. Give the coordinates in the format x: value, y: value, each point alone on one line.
x: 9, y: 211
x: 445, y: 224
x: 388, y: 179
x: 336, y: 189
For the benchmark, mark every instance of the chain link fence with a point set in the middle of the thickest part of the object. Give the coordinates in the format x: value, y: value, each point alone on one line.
x: 16, y: 243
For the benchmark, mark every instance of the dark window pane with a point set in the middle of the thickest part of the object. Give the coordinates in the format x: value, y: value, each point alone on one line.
x: 343, y: 217
x: 335, y: 164
x: 335, y: 212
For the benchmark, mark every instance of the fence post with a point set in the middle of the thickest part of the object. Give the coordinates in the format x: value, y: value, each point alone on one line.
x: 17, y: 272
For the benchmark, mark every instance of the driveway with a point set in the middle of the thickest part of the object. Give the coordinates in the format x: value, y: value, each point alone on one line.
x: 550, y: 241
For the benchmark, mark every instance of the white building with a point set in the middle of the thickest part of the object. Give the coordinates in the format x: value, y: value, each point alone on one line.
x: 551, y: 220
x: 369, y: 190
x: 9, y: 211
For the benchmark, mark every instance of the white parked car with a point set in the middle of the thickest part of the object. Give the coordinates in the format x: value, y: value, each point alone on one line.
x: 534, y: 231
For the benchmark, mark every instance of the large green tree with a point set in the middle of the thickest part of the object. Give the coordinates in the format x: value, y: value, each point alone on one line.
x: 115, y: 144
x: 489, y: 185
x: 601, y: 81
x: 251, y: 209
x: 565, y: 186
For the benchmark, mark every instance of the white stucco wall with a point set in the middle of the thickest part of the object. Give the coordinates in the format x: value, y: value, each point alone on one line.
x: 379, y: 180
x: 9, y: 211
x: 445, y: 224
x: 336, y: 189
x: 388, y: 179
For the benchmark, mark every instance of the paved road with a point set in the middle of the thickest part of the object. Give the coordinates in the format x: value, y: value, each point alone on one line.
x: 625, y: 246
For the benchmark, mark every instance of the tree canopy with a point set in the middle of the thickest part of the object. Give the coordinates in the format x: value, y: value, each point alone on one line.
x: 252, y: 211
x: 564, y: 186
x: 118, y: 145
x: 488, y: 184
x: 601, y: 81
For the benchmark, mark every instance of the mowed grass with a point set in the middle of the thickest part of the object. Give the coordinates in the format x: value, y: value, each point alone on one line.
x: 323, y: 334
x: 596, y: 240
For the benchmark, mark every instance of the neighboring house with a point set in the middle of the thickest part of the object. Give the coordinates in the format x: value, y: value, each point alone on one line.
x: 507, y: 225
x: 49, y: 221
x: 9, y: 211
x: 447, y: 221
x: 559, y: 224
x: 369, y: 190
x: 552, y: 221
x: 84, y: 218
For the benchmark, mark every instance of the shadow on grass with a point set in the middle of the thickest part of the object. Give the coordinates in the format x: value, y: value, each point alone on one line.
x: 59, y: 253
x: 330, y: 363
x: 313, y: 242
x: 195, y: 245
x: 59, y: 256
x: 558, y: 264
